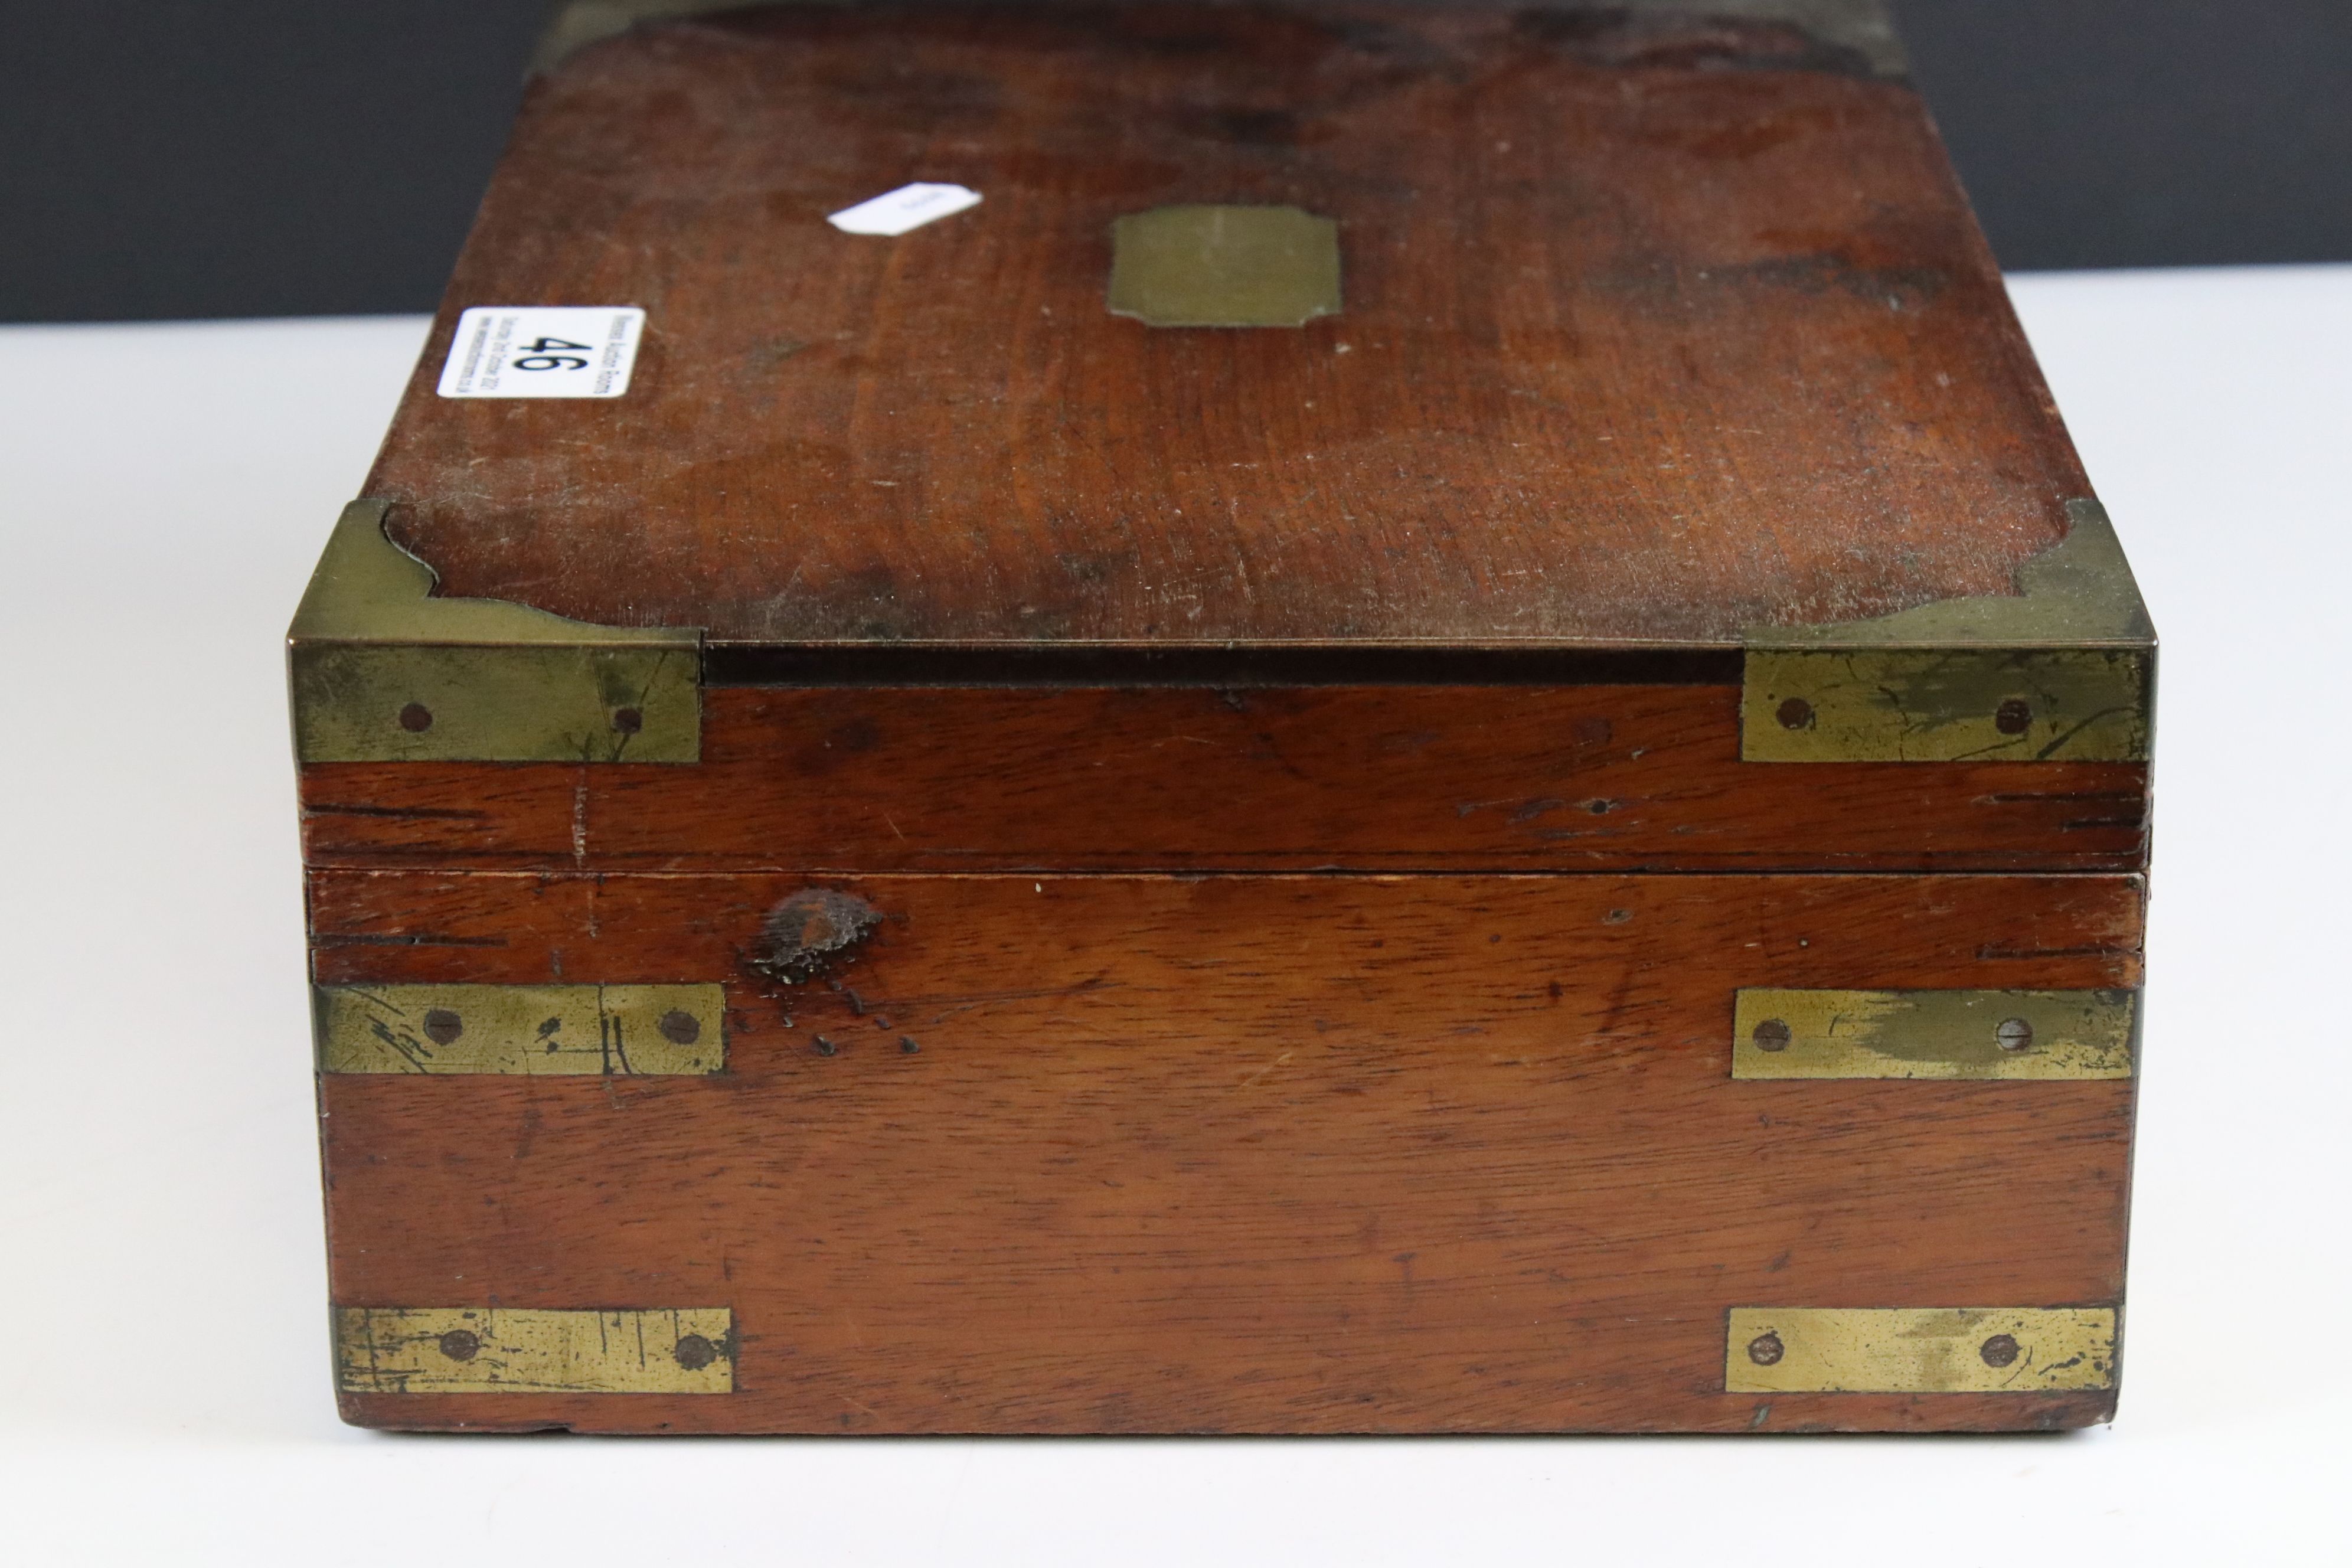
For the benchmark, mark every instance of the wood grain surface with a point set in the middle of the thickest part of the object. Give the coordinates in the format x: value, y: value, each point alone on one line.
x: 1231, y: 1153
x: 1651, y: 333
x: 1391, y: 778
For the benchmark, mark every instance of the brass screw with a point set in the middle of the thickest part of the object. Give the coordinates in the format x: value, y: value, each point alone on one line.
x: 442, y: 1025
x: 417, y: 718
x: 628, y: 721
x: 1796, y: 713
x: 2014, y: 717
x: 1772, y: 1034
x: 1765, y: 1349
x: 461, y: 1344
x: 1998, y: 1351
x: 693, y: 1352
x: 2014, y: 1035
x: 679, y: 1027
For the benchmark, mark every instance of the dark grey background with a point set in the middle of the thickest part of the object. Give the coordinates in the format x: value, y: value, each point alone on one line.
x: 180, y: 158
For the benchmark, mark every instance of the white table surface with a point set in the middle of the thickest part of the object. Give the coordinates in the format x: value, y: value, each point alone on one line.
x: 164, y: 1385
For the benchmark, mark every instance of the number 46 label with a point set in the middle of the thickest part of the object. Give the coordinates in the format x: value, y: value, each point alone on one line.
x: 542, y: 351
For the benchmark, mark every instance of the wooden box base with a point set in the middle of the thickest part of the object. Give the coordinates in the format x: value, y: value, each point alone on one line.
x: 1234, y: 1153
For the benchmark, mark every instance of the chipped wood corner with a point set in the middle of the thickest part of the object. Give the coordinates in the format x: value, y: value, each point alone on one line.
x: 2062, y: 670
x: 384, y: 670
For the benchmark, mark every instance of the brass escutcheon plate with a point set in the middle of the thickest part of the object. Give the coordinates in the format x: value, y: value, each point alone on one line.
x: 1224, y: 266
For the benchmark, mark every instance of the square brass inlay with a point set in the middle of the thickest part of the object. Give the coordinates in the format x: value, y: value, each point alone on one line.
x: 1224, y: 266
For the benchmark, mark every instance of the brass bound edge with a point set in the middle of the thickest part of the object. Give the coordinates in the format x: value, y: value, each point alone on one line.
x: 618, y: 1031
x: 2044, y: 1034
x: 382, y: 670
x: 500, y: 1350
x: 1918, y: 1349
x: 2062, y: 670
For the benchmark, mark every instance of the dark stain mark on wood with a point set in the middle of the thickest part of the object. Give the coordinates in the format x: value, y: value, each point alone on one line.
x: 768, y: 355
x: 811, y: 931
x: 1898, y: 288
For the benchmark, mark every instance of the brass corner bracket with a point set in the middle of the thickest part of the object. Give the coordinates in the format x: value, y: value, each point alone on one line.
x: 1919, y: 1349
x: 382, y: 670
x: 2008, y: 1036
x: 2062, y: 670
x: 509, y: 1350
x: 537, y: 1031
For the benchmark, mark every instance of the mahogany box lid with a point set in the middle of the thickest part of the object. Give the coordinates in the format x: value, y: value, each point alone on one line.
x: 1648, y: 335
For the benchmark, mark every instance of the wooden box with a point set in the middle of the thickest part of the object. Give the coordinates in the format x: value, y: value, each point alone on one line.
x: 1432, y: 732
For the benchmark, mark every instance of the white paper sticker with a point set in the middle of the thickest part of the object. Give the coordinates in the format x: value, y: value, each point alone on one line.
x: 909, y: 206
x: 543, y: 350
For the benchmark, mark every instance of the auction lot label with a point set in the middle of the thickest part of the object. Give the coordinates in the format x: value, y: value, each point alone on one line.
x: 543, y: 350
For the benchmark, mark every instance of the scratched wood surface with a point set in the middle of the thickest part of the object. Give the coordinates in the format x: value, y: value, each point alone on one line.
x: 1651, y: 333
x: 1370, y: 778
x: 1231, y: 1153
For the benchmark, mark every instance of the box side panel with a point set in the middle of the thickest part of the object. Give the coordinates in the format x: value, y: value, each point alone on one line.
x: 1367, y: 778
x: 1306, y: 1153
